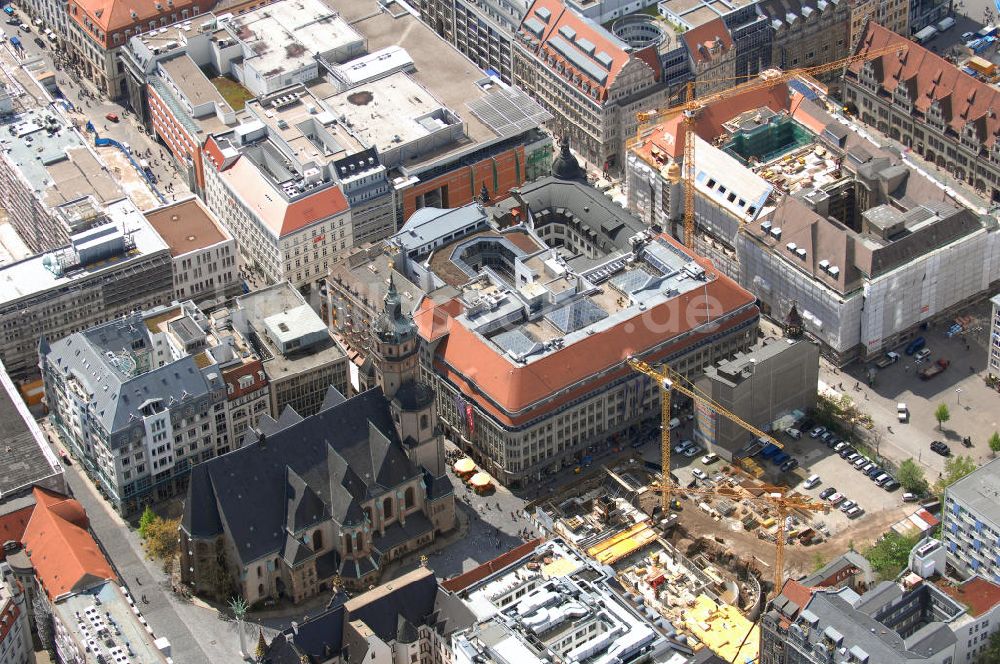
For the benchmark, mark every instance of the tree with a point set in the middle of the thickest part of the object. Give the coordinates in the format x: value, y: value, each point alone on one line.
x: 995, y: 443
x: 955, y: 468
x: 890, y: 554
x: 147, y: 518
x: 942, y: 414
x: 161, y: 538
x: 911, y: 476
x: 991, y: 654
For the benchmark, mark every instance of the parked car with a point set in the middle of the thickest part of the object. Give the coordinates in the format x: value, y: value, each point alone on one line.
x: 967, y: 36
x: 693, y: 451
x: 836, y: 499
x: 891, y: 485
x: 940, y: 448
x: 932, y: 370
x: 855, y: 512
x: 780, y: 458
x: 681, y: 446
x: 113, y: 117
x: 902, y: 412
x: 839, y: 446
x: 710, y: 458
x: 885, y: 480
x: 39, y: 42
x: 805, y: 425
x: 812, y: 481
x: 846, y: 452
x: 700, y: 474
x: 794, y: 434
x: 910, y: 497
x: 922, y: 355
x: 875, y: 472
x: 827, y: 492
x: 880, y: 478
x: 867, y: 467
x: 861, y: 462
x: 791, y: 464
x: 852, y: 457
x: 817, y: 432
x: 827, y: 436
x: 846, y: 505
x: 915, y: 345
x: 833, y: 442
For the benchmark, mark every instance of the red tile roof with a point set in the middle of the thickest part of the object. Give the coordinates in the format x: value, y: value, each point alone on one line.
x: 702, y: 39
x: 12, y: 526
x: 797, y: 593
x: 562, y: 17
x: 65, y: 556
x: 232, y: 378
x: 463, y: 581
x: 667, y: 137
x: 512, y: 392
x: 929, y: 78
x: 979, y: 595
x: 111, y: 16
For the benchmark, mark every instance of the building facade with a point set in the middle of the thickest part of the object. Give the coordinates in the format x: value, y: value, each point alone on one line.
x: 951, y: 120
x: 506, y: 300
x: 98, y: 31
x: 203, y: 253
x: 969, y: 527
x: 364, y: 478
x: 893, y: 15
x: 142, y: 399
x: 994, y: 339
x: 15, y: 632
x: 760, y: 387
x: 300, y: 357
x: 116, y: 267
x: 591, y: 82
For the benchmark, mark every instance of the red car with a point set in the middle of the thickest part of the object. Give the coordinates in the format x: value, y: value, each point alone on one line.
x: 112, y: 116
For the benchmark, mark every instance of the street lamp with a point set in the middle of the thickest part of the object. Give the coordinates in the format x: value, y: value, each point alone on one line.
x: 958, y: 395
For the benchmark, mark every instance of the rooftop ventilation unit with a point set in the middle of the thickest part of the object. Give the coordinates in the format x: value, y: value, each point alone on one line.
x: 801, y: 253
x: 776, y: 233
x: 824, y: 264
x: 791, y: 246
x: 765, y: 226
x: 834, y: 270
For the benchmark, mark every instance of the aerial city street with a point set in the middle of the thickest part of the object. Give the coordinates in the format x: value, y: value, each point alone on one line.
x: 500, y: 331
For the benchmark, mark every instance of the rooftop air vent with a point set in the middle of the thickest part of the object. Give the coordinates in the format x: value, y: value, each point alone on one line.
x: 765, y: 226
x: 824, y: 264
x: 834, y: 270
x: 776, y: 233
x: 791, y: 246
x: 801, y: 253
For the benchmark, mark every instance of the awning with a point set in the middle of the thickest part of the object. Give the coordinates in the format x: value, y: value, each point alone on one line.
x: 480, y: 480
x: 465, y: 465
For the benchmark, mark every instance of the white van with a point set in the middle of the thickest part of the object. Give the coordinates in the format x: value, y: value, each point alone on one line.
x: 812, y: 481
x: 674, y: 423
x: 902, y: 412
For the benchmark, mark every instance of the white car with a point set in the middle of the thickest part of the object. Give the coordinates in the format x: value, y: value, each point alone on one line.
x: 794, y: 434
x: 710, y: 458
x: 812, y: 481
x: 700, y: 474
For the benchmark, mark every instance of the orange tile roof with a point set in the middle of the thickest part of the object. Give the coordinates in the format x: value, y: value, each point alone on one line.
x: 667, y: 137
x: 797, y: 593
x: 114, y: 15
x: 270, y: 205
x: 65, y: 556
x: 702, y: 39
x: 979, y: 595
x: 512, y: 392
x: 12, y: 526
x: 929, y: 78
x: 463, y: 581
x: 561, y: 16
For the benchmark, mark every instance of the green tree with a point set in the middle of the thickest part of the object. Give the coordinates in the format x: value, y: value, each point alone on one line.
x: 147, y: 518
x: 995, y: 443
x: 911, y: 476
x: 991, y: 655
x: 890, y: 554
x: 942, y: 414
x: 955, y: 468
x: 161, y: 538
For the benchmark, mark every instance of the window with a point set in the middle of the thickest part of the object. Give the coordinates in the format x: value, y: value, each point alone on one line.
x: 387, y: 508
x: 317, y: 540
x: 409, y: 498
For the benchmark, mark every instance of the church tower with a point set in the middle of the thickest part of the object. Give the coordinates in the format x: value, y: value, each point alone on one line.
x: 396, y: 356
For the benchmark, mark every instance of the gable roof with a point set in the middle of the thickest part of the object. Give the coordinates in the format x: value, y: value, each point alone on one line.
x: 702, y: 39
x: 113, y: 15
x: 13, y: 525
x: 297, y: 474
x: 576, y: 42
x: 65, y: 556
x: 929, y: 78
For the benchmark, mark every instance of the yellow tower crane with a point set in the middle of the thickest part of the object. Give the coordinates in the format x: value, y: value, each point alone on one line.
x: 668, y: 381
x: 692, y: 106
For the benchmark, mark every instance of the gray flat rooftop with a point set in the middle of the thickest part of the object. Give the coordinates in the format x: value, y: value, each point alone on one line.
x: 54, y: 158
x: 980, y: 490
x: 698, y: 12
x: 30, y: 276
x: 445, y: 72
x: 192, y: 82
x: 27, y: 458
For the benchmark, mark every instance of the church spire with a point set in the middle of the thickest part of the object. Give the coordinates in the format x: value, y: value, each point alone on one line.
x: 392, y: 325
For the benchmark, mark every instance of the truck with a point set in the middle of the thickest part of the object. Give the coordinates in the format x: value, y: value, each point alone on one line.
x: 934, y: 369
x: 925, y: 34
x: 946, y: 23
x: 888, y: 359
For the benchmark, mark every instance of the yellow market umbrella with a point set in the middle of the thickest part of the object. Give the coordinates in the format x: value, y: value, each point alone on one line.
x: 465, y: 465
x: 480, y: 480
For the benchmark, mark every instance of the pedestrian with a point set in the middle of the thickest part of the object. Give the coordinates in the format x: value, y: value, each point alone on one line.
x: 138, y: 581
